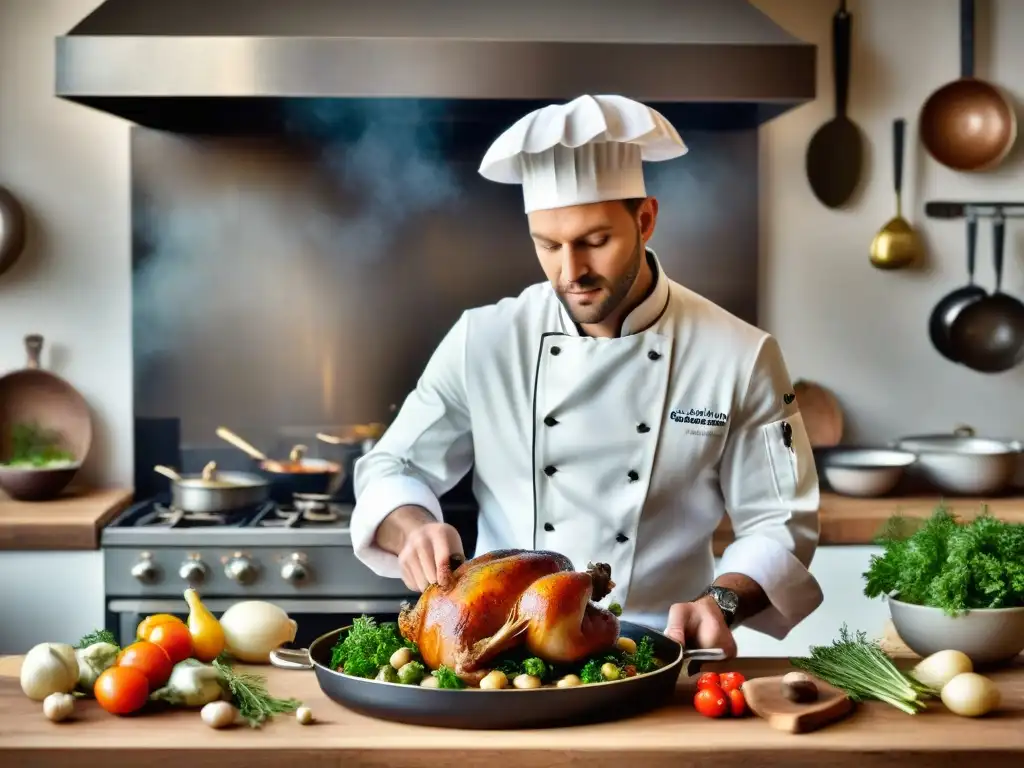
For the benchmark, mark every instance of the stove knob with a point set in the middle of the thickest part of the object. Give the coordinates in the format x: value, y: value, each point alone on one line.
x: 193, y: 570
x: 241, y: 569
x: 296, y: 569
x: 146, y: 571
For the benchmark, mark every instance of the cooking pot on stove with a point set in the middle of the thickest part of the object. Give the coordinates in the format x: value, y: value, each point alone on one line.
x: 297, y: 474
x: 960, y: 462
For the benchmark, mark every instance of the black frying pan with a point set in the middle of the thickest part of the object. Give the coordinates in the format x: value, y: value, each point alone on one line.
x: 509, y: 708
x: 988, y: 335
x: 953, y: 303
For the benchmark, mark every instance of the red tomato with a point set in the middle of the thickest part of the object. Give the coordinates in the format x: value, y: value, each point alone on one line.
x: 737, y: 704
x: 121, y: 690
x: 731, y: 681
x: 711, y: 702
x: 174, y: 639
x: 708, y: 680
x: 150, y: 659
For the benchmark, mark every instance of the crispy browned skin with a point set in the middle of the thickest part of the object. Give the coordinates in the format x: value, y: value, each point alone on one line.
x: 507, y: 598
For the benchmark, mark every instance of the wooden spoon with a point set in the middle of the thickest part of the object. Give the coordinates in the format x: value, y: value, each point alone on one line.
x: 835, y: 154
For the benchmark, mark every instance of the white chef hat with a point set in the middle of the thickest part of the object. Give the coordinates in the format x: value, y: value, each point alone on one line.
x: 587, y: 151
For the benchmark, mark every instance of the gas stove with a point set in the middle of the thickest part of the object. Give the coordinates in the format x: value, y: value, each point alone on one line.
x: 262, y: 551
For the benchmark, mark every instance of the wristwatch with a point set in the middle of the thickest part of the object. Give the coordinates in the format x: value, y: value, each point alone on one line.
x: 727, y: 601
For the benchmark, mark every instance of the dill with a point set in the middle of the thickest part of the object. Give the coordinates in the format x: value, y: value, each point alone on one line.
x: 249, y: 693
x: 864, y: 671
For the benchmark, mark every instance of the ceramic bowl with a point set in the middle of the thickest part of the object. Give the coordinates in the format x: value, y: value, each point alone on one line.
x: 867, y: 472
x: 988, y: 636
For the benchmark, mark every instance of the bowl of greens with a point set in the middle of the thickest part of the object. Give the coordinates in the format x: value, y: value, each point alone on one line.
x: 35, y: 466
x: 953, y: 585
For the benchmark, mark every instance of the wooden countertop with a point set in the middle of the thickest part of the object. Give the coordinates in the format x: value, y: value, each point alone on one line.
x: 874, y: 735
x: 72, y: 521
x: 847, y: 520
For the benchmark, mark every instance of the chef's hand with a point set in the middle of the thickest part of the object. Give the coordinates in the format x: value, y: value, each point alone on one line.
x: 426, y: 556
x: 700, y: 624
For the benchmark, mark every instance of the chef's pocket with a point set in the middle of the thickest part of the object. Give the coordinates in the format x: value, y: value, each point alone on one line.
x: 788, y: 451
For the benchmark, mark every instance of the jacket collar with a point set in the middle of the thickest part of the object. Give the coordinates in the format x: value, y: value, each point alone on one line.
x: 643, y: 316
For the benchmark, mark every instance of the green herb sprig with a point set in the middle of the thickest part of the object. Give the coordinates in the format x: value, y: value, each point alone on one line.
x: 863, y: 670
x: 367, y: 647
x: 249, y: 693
x: 97, y: 636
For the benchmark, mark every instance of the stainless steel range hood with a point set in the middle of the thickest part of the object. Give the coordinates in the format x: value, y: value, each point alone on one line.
x: 164, y: 64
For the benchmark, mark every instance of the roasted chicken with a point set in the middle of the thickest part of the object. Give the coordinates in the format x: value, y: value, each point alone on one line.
x: 511, y: 598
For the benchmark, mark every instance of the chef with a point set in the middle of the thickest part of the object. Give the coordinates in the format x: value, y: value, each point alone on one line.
x: 609, y: 413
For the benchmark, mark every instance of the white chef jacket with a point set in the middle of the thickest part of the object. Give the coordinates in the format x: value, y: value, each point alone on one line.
x: 626, y: 451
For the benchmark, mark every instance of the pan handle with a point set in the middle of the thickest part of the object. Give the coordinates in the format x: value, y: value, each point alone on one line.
x: 34, y: 349
x: 966, y: 38
x: 291, y: 658
x: 694, y: 658
x: 841, y: 24
x: 228, y: 436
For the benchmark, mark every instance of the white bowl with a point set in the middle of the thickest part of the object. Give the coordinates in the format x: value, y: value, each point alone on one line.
x: 865, y: 471
x: 988, y: 636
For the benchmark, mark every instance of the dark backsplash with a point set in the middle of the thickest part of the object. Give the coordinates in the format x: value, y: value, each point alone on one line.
x: 289, y: 284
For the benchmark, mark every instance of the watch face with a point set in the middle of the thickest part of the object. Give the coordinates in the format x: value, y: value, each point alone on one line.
x: 726, y: 598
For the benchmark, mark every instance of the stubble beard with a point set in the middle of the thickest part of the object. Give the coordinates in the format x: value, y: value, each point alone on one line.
x: 598, y: 313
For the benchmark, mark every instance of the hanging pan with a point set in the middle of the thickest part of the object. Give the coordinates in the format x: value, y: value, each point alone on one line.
x: 968, y: 124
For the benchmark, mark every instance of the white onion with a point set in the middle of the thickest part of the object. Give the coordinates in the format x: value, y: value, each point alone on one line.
x: 253, y: 628
x: 49, y: 668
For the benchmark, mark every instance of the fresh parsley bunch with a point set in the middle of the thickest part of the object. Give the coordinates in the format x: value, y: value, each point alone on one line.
x: 367, y: 647
x: 943, y: 563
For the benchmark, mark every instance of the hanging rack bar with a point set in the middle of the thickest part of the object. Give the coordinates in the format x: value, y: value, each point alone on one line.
x: 943, y: 209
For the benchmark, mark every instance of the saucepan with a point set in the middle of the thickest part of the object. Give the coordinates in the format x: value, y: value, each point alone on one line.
x: 296, y: 475
x: 213, y: 491
x: 509, y: 708
x: 960, y: 462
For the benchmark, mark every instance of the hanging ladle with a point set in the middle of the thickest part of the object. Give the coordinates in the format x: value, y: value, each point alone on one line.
x: 952, y: 304
x: 896, y: 244
x: 988, y: 335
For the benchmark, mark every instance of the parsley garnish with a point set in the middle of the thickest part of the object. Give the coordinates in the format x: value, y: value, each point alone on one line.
x: 446, y: 678
x: 367, y: 647
x: 942, y: 563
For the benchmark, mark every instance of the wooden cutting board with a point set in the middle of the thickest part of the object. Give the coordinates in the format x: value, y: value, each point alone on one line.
x: 765, y: 699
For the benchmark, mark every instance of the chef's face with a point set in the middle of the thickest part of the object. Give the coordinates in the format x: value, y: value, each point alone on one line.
x: 593, y: 253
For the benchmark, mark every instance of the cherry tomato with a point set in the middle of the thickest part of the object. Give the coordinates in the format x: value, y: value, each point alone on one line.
x: 174, y: 639
x: 121, y: 690
x: 731, y: 681
x: 711, y: 702
x: 737, y: 704
x: 147, y: 624
x: 150, y: 659
x: 708, y: 680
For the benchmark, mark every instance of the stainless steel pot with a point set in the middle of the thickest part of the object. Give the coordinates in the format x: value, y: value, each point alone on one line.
x: 962, y: 463
x: 212, y: 491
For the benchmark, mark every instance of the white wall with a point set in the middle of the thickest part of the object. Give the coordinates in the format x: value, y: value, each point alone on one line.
x: 69, y: 167
x: 858, y: 330
x: 861, y: 331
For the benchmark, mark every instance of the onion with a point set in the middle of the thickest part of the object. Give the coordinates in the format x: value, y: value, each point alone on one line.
x: 253, y: 628
x: 49, y: 668
x: 971, y: 695
x: 941, y: 667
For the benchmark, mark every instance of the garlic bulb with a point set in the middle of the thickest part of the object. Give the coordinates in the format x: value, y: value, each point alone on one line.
x: 49, y: 668
x: 253, y: 628
x: 58, y: 706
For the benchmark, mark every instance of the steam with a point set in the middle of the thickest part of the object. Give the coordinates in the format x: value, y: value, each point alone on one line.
x: 245, y: 228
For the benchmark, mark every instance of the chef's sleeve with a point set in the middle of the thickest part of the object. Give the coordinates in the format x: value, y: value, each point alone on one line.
x: 770, y: 487
x: 425, y: 451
